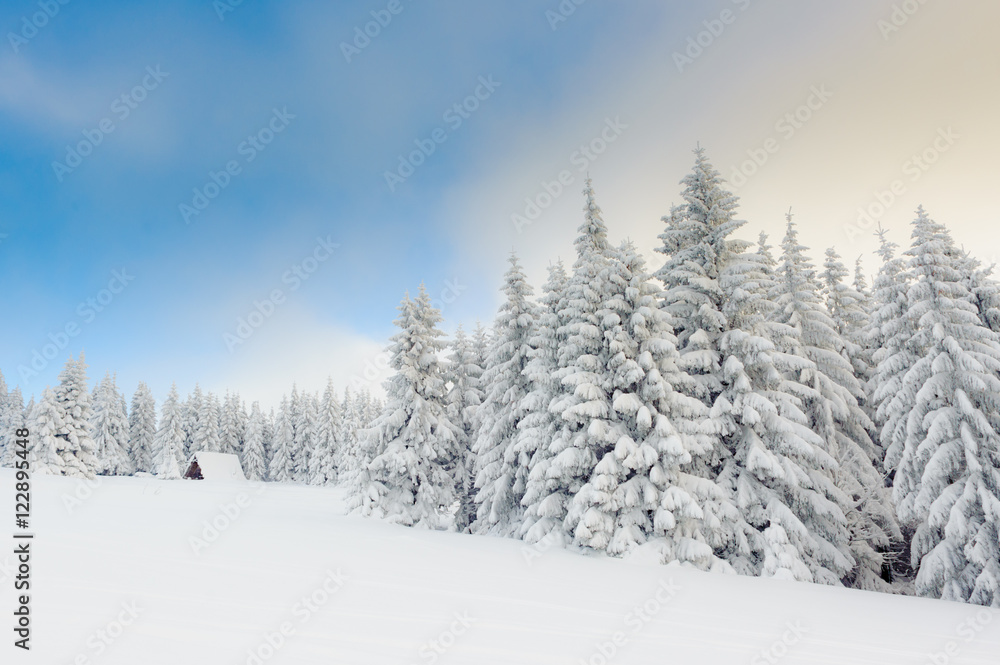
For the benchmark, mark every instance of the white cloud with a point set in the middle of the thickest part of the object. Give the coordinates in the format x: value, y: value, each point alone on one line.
x: 295, y: 347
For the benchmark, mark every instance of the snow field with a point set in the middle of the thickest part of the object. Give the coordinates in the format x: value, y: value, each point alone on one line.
x: 132, y: 573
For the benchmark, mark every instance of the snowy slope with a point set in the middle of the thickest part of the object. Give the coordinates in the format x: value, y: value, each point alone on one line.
x: 407, y: 596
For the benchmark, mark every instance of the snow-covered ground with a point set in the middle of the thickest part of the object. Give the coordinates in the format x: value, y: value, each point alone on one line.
x: 117, y: 579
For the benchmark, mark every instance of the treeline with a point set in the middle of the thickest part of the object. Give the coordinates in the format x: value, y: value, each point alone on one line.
x: 79, y: 433
x: 739, y: 409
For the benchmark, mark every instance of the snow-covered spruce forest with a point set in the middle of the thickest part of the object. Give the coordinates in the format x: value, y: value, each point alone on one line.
x: 738, y: 408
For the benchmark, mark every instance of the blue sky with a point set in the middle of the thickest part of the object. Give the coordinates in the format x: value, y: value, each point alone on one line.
x: 448, y: 225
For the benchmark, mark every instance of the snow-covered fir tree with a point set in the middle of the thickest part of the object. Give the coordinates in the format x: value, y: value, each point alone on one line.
x: 267, y: 435
x: 405, y: 471
x: 691, y: 272
x: 766, y: 456
x: 767, y: 263
x: 254, y: 464
x: 865, y: 368
x: 366, y: 414
x: 708, y: 297
x: 647, y: 433
x: 294, y: 419
x: 190, y: 413
x: 206, y: 436
x: 465, y: 395
x: 12, y: 416
x: 891, y: 334
x: 324, y: 462
x: 123, y: 410
x: 947, y: 484
x: 864, y: 291
x: 305, y: 426
x: 280, y: 468
x: 231, y: 425
x: 110, y: 429
x: 351, y: 452
x: 242, y: 418
x: 775, y: 466
x: 142, y: 428
x: 74, y: 444
x: 860, y: 520
x: 46, y: 429
x: 480, y: 342
x: 848, y: 309
x: 572, y: 453
x: 500, y: 469
x: 167, y: 456
x: 539, y: 424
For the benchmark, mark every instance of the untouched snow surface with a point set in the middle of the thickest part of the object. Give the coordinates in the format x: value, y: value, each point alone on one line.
x: 124, y: 554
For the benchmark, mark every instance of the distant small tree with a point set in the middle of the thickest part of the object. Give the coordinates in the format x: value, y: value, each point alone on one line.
x: 74, y: 443
x: 254, y: 465
x: 110, y: 429
x: 167, y: 454
x: 142, y: 428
